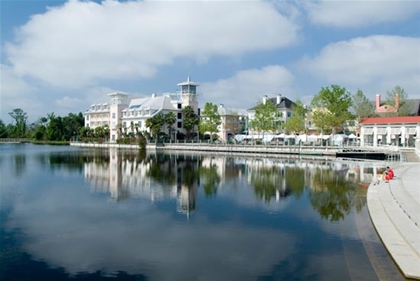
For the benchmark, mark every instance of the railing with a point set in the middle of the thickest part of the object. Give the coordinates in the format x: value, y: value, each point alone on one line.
x: 14, y: 140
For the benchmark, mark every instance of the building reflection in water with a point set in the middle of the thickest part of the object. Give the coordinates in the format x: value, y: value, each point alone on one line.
x: 156, y: 177
x: 128, y: 174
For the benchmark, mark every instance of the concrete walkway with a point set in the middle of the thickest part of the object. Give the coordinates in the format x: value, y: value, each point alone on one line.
x: 394, y: 208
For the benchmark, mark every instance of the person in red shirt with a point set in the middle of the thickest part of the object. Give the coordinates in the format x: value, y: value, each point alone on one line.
x: 387, y: 176
x: 390, y: 172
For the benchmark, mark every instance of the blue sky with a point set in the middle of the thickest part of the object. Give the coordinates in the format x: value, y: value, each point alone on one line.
x: 62, y: 56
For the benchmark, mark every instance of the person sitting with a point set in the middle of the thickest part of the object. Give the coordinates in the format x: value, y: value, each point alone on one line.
x: 387, y: 176
x: 390, y: 172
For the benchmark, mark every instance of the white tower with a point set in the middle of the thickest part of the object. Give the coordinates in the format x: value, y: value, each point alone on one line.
x: 119, y: 101
x: 188, y: 94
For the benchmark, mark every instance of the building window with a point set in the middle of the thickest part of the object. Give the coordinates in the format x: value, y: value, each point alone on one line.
x: 124, y: 124
x: 179, y: 124
x: 139, y: 124
x: 87, y: 125
x: 113, y: 137
x: 179, y: 106
x: 113, y: 115
x: 87, y: 117
x: 289, y: 114
x: 179, y: 115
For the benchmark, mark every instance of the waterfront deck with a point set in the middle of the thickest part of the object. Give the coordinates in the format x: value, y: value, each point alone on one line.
x: 394, y: 208
x: 371, y: 153
x: 251, y: 149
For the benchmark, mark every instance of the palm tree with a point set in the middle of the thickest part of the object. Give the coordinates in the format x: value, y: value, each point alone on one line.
x: 170, y: 120
x: 106, y: 132
x: 132, y: 128
x: 155, y: 124
x: 119, y: 130
x: 191, y: 119
x: 136, y: 126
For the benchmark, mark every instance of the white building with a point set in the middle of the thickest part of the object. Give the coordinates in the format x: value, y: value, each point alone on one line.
x: 106, y: 114
x: 399, y: 131
x: 233, y: 121
x: 124, y: 113
x: 139, y: 110
x: 283, y: 105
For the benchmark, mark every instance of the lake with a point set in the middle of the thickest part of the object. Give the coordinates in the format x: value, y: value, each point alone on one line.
x: 70, y: 213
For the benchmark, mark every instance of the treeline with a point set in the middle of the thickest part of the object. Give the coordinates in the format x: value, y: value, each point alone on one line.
x: 330, y: 111
x: 49, y: 128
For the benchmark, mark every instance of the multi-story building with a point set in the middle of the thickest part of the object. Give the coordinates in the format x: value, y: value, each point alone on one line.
x: 283, y: 105
x: 123, y: 113
x: 106, y: 114
x: 233, y: 121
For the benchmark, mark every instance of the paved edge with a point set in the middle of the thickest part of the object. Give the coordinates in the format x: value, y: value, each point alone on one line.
x: 394, y: 222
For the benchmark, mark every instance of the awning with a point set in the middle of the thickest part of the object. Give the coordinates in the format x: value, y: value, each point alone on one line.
x: 395, y: 131
x: 411, y: 131
x: 381, y: 131
x: 368, y: 131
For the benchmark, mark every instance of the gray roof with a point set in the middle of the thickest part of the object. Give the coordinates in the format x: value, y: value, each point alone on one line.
x: 285, y: 103
x: 161, y: 102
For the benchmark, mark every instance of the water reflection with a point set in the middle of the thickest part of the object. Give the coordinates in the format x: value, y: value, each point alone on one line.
x: 332, y: 195
x: 333, y: 187
x: 125, y: 214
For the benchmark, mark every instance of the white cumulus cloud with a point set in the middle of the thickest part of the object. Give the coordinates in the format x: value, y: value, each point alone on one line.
x: 81, y: 43
x: 16, y: 93
x: 374, y: 61
x: 359, y: 13
x: 247, y: 87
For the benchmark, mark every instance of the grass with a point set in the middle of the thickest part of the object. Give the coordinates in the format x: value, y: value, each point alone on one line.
x: 50, y: 142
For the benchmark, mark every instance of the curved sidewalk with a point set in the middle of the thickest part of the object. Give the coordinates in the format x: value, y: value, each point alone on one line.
x: 394, y: 208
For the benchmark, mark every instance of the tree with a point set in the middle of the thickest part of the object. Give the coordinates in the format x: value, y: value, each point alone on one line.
x: 265, y: 117
x: 155, y: 124
x: 99, y: 132
x: 85, y: 132
x: 210, y: 119
x: 331, y: 108
x: 132, y: 129
x: 403, y: 108
x: 71, y: 125
x: 119, y: 130
x: 233, y: 124
x: 39, y: 132
x: 361, y: 106
x: 296, y: 123
x: 170, y: 120
x: 3, y: 130
x: 191, y: 120
x: 55, y: 128
x: 20, y: 117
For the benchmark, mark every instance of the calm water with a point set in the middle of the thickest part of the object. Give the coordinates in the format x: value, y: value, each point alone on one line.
x: 77, y: 214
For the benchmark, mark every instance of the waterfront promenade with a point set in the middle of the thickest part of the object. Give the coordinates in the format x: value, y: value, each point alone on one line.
x: 394, y: 208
